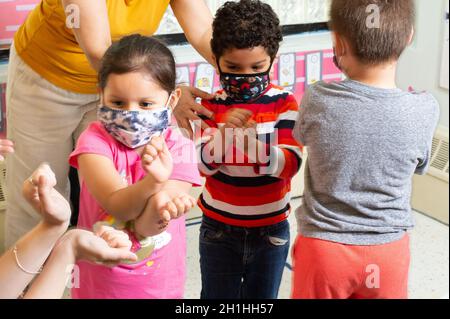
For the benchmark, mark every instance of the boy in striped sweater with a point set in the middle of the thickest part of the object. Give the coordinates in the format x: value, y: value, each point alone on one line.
x: 248, y: 157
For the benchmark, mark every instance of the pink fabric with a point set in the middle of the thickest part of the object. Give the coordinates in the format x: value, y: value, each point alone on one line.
x: 162, y: 274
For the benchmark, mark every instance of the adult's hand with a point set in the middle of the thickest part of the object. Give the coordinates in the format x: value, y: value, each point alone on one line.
x: 6, y: 147
x: 189, y: 110
x: 39, y: 190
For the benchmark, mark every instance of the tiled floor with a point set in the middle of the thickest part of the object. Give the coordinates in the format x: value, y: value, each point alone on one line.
x: 429, y: 272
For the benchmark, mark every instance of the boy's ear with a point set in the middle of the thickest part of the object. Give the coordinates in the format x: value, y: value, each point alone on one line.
x: 216, y: 67
x: 411, y: 36
x: 340, y: 44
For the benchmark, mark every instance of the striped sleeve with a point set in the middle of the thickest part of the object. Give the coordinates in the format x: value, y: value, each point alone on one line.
x: 286, y: 153
x: 206, y: 165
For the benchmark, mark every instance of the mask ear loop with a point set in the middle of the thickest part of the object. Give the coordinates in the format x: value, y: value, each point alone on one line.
x: 218, y: 65
x: 168, y: 105
x: 170, y: 110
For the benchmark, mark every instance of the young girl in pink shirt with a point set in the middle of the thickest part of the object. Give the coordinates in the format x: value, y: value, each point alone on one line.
x: 136, y: 173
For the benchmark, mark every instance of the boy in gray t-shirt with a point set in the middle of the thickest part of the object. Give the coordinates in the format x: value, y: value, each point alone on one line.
x: 365, y: 139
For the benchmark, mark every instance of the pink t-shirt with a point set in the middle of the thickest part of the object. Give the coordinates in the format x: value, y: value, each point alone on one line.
x: 162, y: 274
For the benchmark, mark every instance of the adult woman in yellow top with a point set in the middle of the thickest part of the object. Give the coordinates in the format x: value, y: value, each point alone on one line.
x: 52, y: 91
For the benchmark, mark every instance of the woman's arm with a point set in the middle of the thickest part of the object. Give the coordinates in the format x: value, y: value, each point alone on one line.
x: 92, y: 31
x: 196, y: 21
x: 34, y: 248
x: 108, y: 246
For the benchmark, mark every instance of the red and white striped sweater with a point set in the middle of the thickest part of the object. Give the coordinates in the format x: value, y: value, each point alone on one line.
x: 237, y: 193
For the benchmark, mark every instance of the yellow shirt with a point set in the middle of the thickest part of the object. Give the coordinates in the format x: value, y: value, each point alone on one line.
x: 50, y: 48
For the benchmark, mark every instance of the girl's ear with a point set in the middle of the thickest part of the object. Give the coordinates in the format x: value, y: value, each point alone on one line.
x: 174, y: 98
x: 102, y: 96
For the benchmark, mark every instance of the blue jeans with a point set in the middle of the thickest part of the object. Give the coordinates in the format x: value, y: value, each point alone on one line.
x: 242, y: 263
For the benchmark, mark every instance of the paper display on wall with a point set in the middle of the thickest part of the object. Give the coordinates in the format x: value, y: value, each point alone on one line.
x: 289, y: 12
x: 445, y: 56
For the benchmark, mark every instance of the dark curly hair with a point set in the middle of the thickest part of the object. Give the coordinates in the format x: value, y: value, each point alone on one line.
x: 138, y: 53
x: 246, y: 24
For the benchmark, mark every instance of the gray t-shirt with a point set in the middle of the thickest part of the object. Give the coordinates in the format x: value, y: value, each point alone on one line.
x: 364, y: 145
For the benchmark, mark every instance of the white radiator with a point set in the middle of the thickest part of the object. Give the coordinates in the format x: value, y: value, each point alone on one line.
x: 430, y: 192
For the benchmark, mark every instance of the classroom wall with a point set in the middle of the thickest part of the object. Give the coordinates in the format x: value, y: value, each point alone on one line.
x: 420, y: 65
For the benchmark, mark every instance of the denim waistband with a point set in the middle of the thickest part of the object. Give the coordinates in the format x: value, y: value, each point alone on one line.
x: 248, y: 230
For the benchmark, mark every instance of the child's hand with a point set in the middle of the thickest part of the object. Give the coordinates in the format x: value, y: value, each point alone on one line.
x: 237, y: 118
x: 234, y: 118
x: 39, y: 191
x: 169, y: 208
x: 6, y: 147
x: 107, y: 245
x: 246, y: 139
x: 157, y: 160
x: 177, y: 207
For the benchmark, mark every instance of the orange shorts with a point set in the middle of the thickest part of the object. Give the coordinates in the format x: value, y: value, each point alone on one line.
x: 329, y: 270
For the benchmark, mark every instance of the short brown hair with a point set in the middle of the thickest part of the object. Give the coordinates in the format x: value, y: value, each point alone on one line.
x: 374, y: 45
x: 136, y: 53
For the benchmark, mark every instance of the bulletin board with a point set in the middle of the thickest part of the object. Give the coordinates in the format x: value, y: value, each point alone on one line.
x: 293, y: 71
x: 12, y: 14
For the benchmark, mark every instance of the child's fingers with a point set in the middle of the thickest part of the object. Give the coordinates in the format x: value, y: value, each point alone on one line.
x: 6, y: 143
x: 242, y: 114
x: 188, y: 202
x: 5, y: 149
x: 117, y: 255
x: 100, y: 229
x: 251, y: 124
x: 192, y: 201
x: 165, y: 215
x: 181, y: 207
x: 118, y: 236
x: 147, y: 159
x: 120, y: 242
x: 150, y: 150
x: 158, y: 143
x: 172, y: 209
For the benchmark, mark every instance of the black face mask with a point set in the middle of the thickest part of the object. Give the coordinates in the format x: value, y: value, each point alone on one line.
x: 244, y: 87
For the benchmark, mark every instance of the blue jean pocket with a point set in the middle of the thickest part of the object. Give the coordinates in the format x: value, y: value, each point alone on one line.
x: 210, y: 234
x: 279, y: 236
